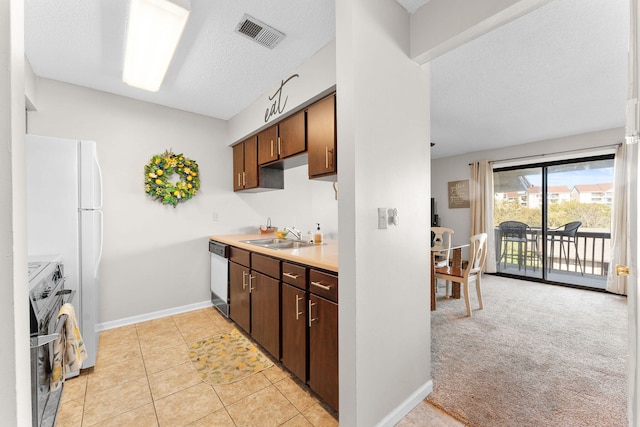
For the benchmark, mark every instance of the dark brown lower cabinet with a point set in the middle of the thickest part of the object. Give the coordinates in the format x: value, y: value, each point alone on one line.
x: 294, y: 330
x: 323, y: 348
x: 265, y: 312
x: 239, y: 296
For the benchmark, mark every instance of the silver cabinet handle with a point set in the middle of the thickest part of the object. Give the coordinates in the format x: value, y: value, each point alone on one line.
x: 251, y: 288
x: 244, y: 277
x: 311, y: 319
x: 272, y: 148
x: 279, y: 144
x: 321, y: 286
x: 290, y: 275
x: 298, y: 312
x: 326, y: 157
x: 239, y: 180
x: 244, y: 179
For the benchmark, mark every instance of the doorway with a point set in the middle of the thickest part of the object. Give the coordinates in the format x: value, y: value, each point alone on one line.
x: 534, y: 257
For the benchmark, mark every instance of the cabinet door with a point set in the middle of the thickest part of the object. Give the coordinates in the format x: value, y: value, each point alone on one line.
x: 265, y: 312
x: 268, y: 149
x: 323, y: 348
x: 251, y: 163
x: 294, y: 330
x: 238, y: 167
x: 239, y: 296
x: 321, y: 137
x: 291, y: 135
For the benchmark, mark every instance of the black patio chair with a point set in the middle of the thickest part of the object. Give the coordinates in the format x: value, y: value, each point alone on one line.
x: 513, y: 233
x: 565, y: 236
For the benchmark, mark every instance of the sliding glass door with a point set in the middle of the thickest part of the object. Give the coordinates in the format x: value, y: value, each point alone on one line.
x: 552, y: 221
x: 518, y: 221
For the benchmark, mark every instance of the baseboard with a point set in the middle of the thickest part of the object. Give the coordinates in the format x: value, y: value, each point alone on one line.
x: 405, y: 407
x: 151, y: 316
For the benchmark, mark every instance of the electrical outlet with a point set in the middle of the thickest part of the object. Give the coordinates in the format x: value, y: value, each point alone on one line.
x: 382, y: 218
x: 215, y: 216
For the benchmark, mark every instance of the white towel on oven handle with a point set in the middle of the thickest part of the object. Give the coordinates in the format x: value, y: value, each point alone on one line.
x: 68, y: 348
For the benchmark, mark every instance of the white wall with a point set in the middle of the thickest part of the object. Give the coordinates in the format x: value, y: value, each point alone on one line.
x: 15, y: 393
x: 316, y: 76
x: 303, y: 202
x: 456, y: 168
x: 383, y: 134
x: 156, y: 257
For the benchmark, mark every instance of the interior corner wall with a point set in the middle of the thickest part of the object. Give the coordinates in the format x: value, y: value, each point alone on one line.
x: 456, y: 168
x: 15, y: 393
x: 29, y: 86
x: 383, y: 134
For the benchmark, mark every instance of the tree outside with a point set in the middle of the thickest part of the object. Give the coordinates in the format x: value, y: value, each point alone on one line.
x: 594, y: 216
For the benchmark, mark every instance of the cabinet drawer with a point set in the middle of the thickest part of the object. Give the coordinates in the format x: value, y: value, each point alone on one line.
x: 323, y: 284
x: 266, y: 265
x: 239, y: 256
x: 295, y: 275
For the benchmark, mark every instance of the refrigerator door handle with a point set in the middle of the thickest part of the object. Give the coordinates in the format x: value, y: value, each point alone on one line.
x: 98, y: 182
x: 99, y: 258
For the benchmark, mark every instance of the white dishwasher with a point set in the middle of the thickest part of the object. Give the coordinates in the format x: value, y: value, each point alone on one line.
x: 220, y: 276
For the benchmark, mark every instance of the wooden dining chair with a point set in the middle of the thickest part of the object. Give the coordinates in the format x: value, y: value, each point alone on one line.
x: 441, y: 241
x: 469, y: 273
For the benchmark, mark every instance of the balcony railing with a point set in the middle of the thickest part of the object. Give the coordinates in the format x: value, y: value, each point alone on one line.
x: 593, y: 249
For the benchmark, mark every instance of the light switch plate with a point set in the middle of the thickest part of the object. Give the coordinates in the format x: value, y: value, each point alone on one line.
x: 382, y: 218
x: 393, y: 216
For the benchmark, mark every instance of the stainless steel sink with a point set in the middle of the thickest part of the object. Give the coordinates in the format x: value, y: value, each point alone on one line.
x: 275, y: 243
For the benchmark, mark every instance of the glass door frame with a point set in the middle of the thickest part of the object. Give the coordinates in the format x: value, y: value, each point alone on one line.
x: 544, y: 167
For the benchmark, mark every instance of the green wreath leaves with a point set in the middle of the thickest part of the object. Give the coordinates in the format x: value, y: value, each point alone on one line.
x: 159, y: 171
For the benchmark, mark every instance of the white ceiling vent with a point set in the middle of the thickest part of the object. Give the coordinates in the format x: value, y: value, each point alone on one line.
x: 259, y: 32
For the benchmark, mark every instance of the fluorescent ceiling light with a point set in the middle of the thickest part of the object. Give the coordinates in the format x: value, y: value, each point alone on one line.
x: 155, y: 28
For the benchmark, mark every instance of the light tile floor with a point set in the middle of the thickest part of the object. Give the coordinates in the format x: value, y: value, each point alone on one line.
x: 143, y: 377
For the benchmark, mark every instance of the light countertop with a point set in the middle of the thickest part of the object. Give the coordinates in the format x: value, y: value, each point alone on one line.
x: 323, y: 256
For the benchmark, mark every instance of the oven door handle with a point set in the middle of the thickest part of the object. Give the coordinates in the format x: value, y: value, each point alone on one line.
x: 67, y: 295
x: 41, y: 340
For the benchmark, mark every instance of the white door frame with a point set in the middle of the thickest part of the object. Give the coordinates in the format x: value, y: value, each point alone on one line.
x: 632, y: 127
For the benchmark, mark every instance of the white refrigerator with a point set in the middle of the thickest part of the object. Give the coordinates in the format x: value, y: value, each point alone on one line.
x: 64, y: 217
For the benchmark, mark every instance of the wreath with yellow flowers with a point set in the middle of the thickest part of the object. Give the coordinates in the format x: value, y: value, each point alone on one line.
x: 158, y: 175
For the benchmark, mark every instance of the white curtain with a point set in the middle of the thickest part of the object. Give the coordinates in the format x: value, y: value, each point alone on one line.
x: 624, y: 209
x: 481, y: 203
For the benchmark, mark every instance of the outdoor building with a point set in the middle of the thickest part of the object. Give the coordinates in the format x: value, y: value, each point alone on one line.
x: 593, y: 193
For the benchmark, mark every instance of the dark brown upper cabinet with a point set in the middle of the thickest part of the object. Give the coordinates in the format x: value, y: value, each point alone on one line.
x: 245, y: 165
x: 321, y: 138
x: 283, y: 140
x: 268, y: 147
x: 247, y: 176
x: 291, y: 135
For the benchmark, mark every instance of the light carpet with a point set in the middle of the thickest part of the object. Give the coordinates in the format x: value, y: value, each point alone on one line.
x: 537, y: 355
x: 227, y: 358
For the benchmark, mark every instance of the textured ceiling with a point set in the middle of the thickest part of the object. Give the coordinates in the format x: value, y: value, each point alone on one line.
x: 558, y: 71
x: 215, y: 71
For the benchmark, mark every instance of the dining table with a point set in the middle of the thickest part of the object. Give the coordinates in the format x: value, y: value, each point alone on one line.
x: 455, y: 262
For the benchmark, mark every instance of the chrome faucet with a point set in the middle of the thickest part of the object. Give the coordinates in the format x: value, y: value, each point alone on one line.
x: 297, y: 233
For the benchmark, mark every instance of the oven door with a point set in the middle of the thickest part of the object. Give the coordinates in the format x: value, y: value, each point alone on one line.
x: 45, y: 403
